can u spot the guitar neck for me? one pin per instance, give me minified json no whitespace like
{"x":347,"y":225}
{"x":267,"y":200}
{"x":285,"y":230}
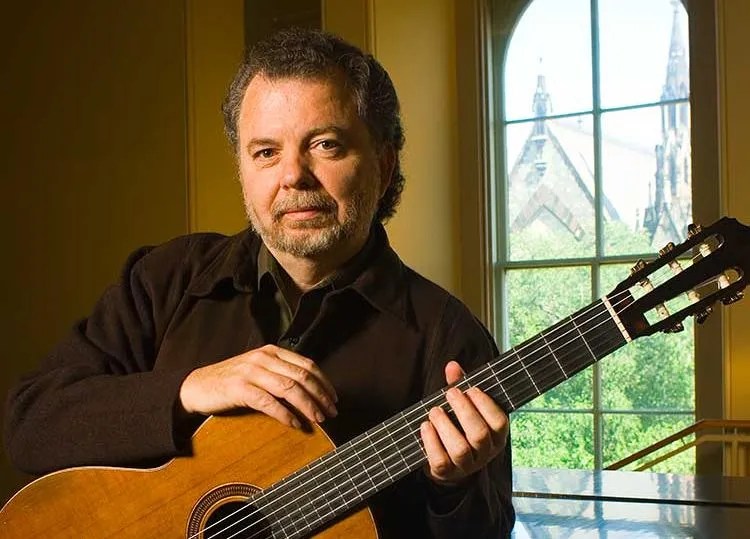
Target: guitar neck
{"x":330,"y":486}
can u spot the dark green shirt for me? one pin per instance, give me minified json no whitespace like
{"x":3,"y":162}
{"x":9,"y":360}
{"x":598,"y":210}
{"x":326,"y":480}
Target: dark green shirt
{"x":287,"y":322}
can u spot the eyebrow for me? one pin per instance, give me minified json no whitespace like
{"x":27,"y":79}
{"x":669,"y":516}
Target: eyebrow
{"x":331,"y":128}
{"x":338,"y":130}
{"x":254,"y":142}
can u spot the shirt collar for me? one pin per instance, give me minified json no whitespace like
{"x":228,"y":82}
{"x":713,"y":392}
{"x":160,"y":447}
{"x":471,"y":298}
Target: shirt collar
{"x":376,"y":273}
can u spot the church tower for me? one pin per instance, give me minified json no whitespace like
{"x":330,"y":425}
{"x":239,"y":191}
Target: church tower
{"x":670,"y":209}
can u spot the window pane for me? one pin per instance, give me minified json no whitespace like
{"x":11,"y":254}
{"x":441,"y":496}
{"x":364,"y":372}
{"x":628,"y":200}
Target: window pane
{"x":655,"y":372}
{"x":573,"y":394}
{"x":553,"y":440}
{"x":624,"y":434}
{"x":634,"y":71}
{"x":539,"y":298}
{"x":553,"y":41}
{"x":646,"y":178}
{"x":551,"y":189}
{"x":651,"y":373}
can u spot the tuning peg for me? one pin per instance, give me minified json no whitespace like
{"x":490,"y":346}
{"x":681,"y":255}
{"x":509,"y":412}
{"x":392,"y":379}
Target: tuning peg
{"x":667,"y":248}
{"x":638,"y":266}
{"x":676,"y":328}
{"x":693,"y":229}
{"x":701,"y":316}
{"x":733,"y":297}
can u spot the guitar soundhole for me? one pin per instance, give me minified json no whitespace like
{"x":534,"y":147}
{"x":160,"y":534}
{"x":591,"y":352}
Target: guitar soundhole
{"x":224,"y":512}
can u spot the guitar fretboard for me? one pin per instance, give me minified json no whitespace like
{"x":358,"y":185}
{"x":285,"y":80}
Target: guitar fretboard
{"x":344,"y":478}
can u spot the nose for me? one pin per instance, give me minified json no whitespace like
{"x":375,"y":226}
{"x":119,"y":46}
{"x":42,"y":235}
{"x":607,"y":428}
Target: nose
{"x":296,"y":172}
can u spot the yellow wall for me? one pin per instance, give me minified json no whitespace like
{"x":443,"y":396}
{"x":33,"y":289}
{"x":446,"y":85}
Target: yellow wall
{"x":421,"y":61}
{"x":93,"y":160}
{"x":214,"y":50}
{"x":734,"y":42}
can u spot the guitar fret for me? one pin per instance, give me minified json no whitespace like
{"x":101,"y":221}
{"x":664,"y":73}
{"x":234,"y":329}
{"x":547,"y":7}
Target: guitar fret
{"x":402,"y":419}
{"x":554,"y":356}
{"x":282,"y":529}
{"x":380,"y":459}
{"x":349,"y":477}
{"x":602,"y":331}
{"x":302,"y":512}
{"x":332,"y":481}
{"x":305,"y":505}
{"x":520,"y":360}
{"x":364,"y":469}
{"x":583,"y":338}
{"x":502,"y":388}
{"x":289,"y":517}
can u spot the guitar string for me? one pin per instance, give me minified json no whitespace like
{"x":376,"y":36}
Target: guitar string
{"x":467,"y":381}
{"x":421,"y":415}
{"x":359,"y":490}
{"x":380,"y":470}
{"x":532,"y":394}
{"x":506,"y":378}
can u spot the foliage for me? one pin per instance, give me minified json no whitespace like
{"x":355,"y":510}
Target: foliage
{"x":646,"y":377}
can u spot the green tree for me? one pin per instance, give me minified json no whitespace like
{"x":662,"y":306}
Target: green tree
{"x":647,"y":376}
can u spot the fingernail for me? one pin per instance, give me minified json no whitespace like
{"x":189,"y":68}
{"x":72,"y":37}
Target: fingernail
{"x":296,"y":424}
{"x":320,"y":417}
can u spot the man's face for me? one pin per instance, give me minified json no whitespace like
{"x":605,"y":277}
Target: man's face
{"x":311,"y":175}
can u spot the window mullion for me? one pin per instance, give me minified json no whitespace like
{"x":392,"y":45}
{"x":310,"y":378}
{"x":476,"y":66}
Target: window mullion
{"x":599,"y":222}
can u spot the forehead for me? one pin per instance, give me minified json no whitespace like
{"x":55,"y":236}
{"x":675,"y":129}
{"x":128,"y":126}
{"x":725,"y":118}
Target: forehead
{"x":283,"y":99}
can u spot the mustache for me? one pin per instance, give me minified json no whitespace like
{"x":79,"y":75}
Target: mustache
{"x":304,"y":200}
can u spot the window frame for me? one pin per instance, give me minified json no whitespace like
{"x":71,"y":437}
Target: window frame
{"x":483,"y":32}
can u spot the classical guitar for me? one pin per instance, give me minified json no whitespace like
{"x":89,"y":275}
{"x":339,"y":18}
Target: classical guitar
{"x":250,"y":477}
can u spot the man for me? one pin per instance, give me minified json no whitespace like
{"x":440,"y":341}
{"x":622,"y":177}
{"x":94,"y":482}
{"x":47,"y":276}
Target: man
{"x":308,"y":315}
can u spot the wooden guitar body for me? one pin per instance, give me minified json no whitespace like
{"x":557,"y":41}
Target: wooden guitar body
{"x":232,"y":457}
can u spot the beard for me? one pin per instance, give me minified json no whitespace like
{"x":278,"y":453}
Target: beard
{"x":320,"y":234}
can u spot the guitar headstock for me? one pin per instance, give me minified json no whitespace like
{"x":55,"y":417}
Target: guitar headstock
{"x":687,"y":279}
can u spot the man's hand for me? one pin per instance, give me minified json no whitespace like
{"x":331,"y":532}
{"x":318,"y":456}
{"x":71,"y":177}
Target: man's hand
{"x":261,"y":379}
{"x":454,"y":453}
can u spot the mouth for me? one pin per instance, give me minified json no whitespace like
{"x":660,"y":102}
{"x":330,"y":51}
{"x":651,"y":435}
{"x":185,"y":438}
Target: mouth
{"x":303,"y":213}
{"x":304,"y":210}
{"x":305,"y":217}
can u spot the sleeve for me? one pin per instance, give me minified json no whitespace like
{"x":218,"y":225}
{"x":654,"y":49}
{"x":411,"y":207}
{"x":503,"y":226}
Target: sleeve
{"x":483,"y":508}
{"x":95,"y":400}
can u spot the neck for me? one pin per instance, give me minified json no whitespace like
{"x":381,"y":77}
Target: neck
{"x":308,"y":272}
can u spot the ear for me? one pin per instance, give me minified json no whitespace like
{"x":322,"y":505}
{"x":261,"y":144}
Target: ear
{"x":387,"y":161}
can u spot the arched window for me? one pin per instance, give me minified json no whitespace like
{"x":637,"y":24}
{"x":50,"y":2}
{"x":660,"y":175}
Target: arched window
{"x":593,"y":173}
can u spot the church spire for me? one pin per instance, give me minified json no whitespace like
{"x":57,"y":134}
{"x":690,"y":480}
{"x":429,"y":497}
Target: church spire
{"x":670,"y":205}
{"x":542,"y":104}
{"x":677,"y":80}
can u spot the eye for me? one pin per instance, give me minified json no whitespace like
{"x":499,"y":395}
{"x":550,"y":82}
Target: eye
{"x":331,"y":147}
{"x":329,"y":144}
{"x":264,"y":153}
